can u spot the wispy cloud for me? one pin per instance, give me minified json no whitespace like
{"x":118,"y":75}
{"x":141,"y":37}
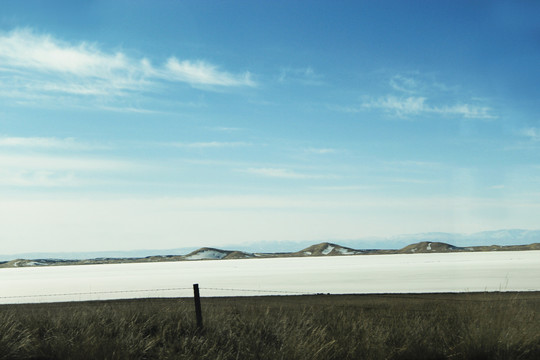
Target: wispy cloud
{"x":130,"y":110}
{"x":23,"y":49}
{"x":416,"y":105}
{"x":346,"y":188}
{"x":48,"y":143}
{"x":226,"y":129}
{"x":413,"y":95}
{"x":306,"y":76}
{"x":208,"y":145}
{"x":54,"y":163}
{"x":202,"y":73}
{"x":37,"y":179}
{"x":532,"y":133}
{"x":55,"y":170}
{"x":404,"y":84}
{"x":41,"y":63}
{"x":415,"y":164}
{"x":400,"y":106}
{"x":321,"y":151}
{"x":282,"y":173}
{"x":410,"y":181}
{"x":466,"y":110}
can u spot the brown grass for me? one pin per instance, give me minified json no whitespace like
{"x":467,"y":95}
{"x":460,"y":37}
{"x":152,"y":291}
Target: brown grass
{"x":427,"y":326}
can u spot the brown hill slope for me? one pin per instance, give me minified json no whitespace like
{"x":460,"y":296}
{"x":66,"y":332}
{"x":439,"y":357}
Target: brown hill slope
{"x":322,"y":249}
{"x":428,"y":247}
{"x":326,"y":248}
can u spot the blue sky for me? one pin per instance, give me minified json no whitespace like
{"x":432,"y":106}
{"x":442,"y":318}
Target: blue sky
{"x":143,"y":124}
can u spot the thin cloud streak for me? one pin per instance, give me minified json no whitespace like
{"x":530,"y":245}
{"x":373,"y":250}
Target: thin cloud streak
{"x":202,"y":73}
{"x":532,"y":133}
{"x":346,"y":188}
{"x":405,"y":106}
{"x":306,"y":76}
{"x":42,"y":63}
{"x":404,"y":84}
{"x":225,"y":129}
{"x":23,"y":49}
{"x":415,"y":164}
{"x":59,"y":171}
{"x":208,"y":145}
{"x":321,"y":151}
{"x":48,"y":143}
{"x":410,"y":96}
{"x":52,"y":163}
{"x":37,"y":179}
{"x":282,"y":173}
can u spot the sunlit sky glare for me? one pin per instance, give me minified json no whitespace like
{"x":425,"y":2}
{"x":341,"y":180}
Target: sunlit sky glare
{"x":164,"y":124}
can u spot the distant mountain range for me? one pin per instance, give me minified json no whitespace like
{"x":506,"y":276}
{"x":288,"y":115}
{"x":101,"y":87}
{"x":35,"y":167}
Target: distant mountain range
{"x":486,"y":238}
{"x":322,"y":249}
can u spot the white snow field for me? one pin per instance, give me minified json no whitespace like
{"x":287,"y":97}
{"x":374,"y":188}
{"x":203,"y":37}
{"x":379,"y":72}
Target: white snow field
{"x":411,"y":273}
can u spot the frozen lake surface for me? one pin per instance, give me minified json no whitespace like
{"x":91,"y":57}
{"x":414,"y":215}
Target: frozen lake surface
{"x":411,"y":273}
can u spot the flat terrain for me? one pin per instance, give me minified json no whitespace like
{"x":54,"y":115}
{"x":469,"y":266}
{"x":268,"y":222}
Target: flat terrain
{"x":396,"y":273}
{"x":406,"y":326}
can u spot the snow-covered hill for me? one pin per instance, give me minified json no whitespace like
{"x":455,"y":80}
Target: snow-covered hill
{"x":326,"y":248}
{"x":216,"y":254}
{"x":416,"y":243}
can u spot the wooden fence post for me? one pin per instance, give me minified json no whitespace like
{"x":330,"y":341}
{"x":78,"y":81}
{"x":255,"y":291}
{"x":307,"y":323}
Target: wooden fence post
{"x":198,"y":311}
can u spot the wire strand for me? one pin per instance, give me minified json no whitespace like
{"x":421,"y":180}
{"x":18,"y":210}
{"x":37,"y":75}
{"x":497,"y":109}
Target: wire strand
{"x":260,"y":291}
{"x":93,"y":293}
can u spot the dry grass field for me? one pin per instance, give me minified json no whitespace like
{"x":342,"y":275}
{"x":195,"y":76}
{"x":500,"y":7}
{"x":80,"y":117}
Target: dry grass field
{"x":427,"y":326}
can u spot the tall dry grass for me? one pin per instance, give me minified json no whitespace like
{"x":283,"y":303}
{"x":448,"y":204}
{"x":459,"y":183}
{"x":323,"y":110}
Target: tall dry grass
{"x":436,"y":326}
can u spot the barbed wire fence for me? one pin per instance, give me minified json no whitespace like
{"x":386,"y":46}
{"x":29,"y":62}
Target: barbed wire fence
{"x":234,"y":291}
{"x":110,"y":292}
{"x":68,"y":296}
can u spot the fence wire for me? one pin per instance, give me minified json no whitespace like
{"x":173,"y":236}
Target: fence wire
{"x":419,"y":296}
{"x":261,"y":291}
{"x":94,"y":293}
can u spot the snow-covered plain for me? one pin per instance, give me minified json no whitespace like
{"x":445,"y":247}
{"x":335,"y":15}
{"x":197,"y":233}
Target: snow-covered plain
{"x":412,"y":273}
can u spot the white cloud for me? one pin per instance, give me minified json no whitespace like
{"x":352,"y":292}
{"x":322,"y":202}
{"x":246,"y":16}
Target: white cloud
{"x":321,"y":151}
{"x":404,"y":84}
{"x":345,"y":109}
{"x":33,"y":163}
{"x":225,"y":129}
{"x":23,"y":49}
{"x":465,"y":110}
{"x":346,"y":188}
{"x":306,"y":76}
{"x":18,"y":170}
{"x":48,"y":143}
{"x":410,"y":96}
{"x":281,"y":173}
{"x":42,"y":178}
{"x":40,"y":63}
{"x":415,"y":164}
{"x":410,"y":181}
{"x":132,"y":110}
{"x":401,"y":106}
{"x":201,"y":73}
{"x":209,"y":144}
{"x":532,"y":133}
{"x":415,"y":105}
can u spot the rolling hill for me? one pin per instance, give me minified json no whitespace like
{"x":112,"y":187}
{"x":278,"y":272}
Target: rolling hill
{"x":322,"y":249}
